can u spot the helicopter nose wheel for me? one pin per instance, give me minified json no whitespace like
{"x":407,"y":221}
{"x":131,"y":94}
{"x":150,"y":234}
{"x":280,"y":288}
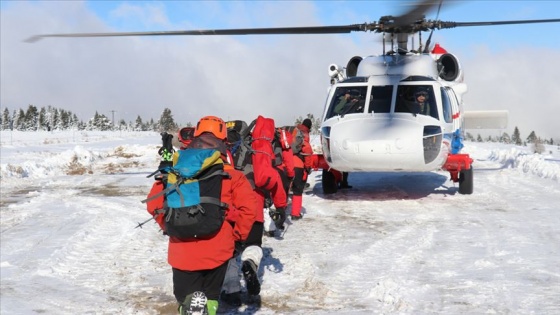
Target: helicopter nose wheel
{"x":466,"y":181}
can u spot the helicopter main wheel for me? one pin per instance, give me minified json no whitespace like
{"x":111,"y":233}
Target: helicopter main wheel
{"x":466,"y":181}
{"x":328,"y":180}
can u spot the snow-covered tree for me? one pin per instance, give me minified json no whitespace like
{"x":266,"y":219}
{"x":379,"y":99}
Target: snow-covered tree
{"x":6,"y":119}
{"x":516,"y":137}
{"x":166,"y":122}
{"x":532,"y":138}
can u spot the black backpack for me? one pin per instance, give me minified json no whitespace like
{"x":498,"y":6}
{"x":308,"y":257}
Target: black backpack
{"x":239,"y":144}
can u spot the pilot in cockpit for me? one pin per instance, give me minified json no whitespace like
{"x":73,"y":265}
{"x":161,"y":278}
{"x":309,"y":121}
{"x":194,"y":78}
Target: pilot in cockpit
{"x":346,"y":102}
{"x":421,"y":101}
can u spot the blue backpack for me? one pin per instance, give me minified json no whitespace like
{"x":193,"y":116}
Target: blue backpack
{"x":193,"y":208}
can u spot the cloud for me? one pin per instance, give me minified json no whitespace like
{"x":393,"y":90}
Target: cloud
{"x":237,"y":77}
{"x":519,"y":80}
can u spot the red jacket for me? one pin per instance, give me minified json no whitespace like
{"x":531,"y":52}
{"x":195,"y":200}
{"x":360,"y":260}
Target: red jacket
{"x":287,"y":154}
{"x":211,"y":253}
{"x":306,"y":150}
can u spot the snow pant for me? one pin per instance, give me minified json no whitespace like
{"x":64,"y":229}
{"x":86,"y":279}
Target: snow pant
{"x":208,"y":281}
{"x":285,"y":181}
{"x":300,"y":179}
{"x":250,"y":250}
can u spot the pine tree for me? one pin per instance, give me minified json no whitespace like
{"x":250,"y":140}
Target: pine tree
{"x":6,"y":119}
{"x":479,"y":138}
{"x":42,"y":119}
{"x":166,"y":122}
{"x":19,"y":120}
{"x":532,"y":138}
{"x":55,"y":118}
{"x":139,"y":125}
{"x":31,"y":118}
{"x":505,"y":138}
{"x":516,"y":137}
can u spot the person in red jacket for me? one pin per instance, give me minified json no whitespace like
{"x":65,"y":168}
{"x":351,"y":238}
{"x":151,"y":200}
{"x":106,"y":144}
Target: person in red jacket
{"x":186,"y":135}
{"x":303,"y":162}
{"x":200,"y":265}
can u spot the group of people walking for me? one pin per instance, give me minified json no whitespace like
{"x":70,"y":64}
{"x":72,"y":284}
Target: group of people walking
{"x":206,"y":270}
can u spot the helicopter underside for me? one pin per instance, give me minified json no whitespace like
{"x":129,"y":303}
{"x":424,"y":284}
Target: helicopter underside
{"x":389,"y":143}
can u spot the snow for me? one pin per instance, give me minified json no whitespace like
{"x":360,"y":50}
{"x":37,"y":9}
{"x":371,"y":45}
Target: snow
{"x":397,"y":243}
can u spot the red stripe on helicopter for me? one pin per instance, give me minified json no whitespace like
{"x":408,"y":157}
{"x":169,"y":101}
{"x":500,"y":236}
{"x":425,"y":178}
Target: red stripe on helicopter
{"x":455,"y":116}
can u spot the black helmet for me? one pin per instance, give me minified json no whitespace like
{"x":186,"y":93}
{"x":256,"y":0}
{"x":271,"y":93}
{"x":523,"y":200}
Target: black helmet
{"x":422,"y":91}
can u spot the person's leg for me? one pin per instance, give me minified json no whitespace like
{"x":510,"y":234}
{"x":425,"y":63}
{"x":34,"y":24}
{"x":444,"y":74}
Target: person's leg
{"x":297,"y":188}
{"x":185,"y":283}
{"x":344,"y":183}
{"x":231,"y":279}
{"x":251,"y":258}
{"x":213,"y":280}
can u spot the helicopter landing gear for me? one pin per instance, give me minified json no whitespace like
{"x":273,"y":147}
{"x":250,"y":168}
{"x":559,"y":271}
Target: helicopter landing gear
{"x":459,"y":167}
{"x":466,"y":181}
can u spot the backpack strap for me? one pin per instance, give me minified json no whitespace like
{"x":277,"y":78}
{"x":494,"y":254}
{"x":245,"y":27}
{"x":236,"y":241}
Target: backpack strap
{"x":180,"y":180}
{"x":164,"y":191}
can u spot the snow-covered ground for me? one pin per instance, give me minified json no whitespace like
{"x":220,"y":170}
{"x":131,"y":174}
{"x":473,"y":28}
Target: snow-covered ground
{"x":397,"y":243}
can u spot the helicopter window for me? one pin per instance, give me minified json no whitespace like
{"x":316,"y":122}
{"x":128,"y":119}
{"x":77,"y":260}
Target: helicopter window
{"x":416,"y":99}
{"x":380,"y":100}
{"x":347,"y":100}
{"x":446,"y":104}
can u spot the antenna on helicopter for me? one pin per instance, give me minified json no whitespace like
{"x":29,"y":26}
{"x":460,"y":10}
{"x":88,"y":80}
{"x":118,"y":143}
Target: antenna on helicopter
{"x":427,"y":48}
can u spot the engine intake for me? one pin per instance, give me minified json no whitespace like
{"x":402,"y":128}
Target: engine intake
{"x":448,"y":67}
{"x":352,"y":66}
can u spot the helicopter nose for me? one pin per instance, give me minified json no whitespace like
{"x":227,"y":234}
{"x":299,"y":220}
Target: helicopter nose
{"x":384,"y":145}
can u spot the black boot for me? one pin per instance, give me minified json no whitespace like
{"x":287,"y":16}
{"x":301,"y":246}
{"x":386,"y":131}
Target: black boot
{"x":251,"y":277}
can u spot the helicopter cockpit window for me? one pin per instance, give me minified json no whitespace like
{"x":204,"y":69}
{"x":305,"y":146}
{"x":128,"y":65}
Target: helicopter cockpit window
{"x":347,"y":100}
{"x":416,"y":99}
{"x":446,"y":106}
{"x":380,"y":100}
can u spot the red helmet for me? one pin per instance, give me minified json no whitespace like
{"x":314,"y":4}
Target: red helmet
{"x":213,"y":125}
{"x":186,"y":134}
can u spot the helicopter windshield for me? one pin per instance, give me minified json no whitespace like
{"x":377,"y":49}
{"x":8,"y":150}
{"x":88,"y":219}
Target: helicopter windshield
{"x":380,"y":99}
{"x":347,"y":100}
{"x":416,"y":99}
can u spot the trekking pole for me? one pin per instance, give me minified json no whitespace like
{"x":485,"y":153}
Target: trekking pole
{"x":140,"y":224}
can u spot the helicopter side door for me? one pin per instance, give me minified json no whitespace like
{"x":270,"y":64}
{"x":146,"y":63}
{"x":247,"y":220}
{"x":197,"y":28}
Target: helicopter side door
{"x":449,"y":96}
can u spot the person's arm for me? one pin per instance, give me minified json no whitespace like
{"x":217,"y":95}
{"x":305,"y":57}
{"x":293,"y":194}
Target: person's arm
{"x":245,"y":203}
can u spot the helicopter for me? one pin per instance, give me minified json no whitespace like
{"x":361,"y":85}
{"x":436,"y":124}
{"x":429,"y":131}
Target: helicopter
{"x":381,"y":126}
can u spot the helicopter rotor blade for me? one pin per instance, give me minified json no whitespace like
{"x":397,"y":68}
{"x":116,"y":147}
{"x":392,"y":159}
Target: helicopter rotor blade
{"x":336,"y":29}
{"x":417,"y":12}
{"x":444,"y":25}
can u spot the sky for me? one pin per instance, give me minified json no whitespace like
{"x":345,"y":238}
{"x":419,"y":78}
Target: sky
{"x":396,"y":243}
{"x":510,"y":67}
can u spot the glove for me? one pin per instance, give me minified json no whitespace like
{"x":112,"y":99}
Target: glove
{"x":267,"y":202}
{"x":278,"y":216}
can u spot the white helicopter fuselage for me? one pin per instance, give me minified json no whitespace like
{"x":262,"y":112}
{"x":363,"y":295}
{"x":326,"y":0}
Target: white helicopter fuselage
{"x":382,"y":132}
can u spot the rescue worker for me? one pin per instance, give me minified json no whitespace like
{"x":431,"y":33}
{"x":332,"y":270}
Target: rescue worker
{"x":303,"y":162}
{"x":249,"y":252}
{"x":200,"y":265}
{"x":421,"y":102}
{"x":186,"y":135}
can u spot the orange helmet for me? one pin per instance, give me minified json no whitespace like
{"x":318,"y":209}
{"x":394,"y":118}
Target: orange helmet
{"x":212,"y":124}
